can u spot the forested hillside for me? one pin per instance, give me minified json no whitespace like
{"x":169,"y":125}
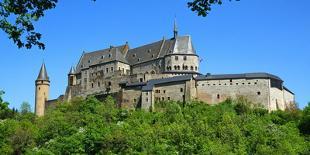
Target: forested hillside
{"x":88,"y":126}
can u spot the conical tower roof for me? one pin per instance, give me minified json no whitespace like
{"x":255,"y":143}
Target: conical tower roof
{"x":72,"y":71}
{"x":43,"y":73}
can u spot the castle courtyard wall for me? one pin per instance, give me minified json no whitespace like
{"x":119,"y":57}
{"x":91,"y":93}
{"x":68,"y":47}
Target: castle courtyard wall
{"x":215,"y":91}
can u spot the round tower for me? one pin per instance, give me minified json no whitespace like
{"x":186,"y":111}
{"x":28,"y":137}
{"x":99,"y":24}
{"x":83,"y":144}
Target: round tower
{"x":42,"y":91}
{"x":71,"y":77}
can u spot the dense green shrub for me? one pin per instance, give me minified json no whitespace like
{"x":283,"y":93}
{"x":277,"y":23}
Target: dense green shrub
{"x":88,"y":126}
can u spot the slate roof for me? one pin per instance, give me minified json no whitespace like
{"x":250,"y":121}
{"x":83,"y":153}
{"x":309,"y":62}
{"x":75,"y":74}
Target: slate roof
{"x":103,"y":56}
{"x":285,"y":88}
{"x":72,"y":70}
{"x":238,"y":76}
{"x":149,"y":52}
{"x":145,"y":53}
{"x":43,"y":73}
{"x":150,"y":84}
{"x":152,"y":51}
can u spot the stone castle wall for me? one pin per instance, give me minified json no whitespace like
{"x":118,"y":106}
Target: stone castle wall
{"x":215,"y":91}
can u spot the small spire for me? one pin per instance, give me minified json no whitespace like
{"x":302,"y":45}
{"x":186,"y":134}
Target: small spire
{"x":43,"y":73}
{"x":175,"y":28}
{"x":72,"y":71}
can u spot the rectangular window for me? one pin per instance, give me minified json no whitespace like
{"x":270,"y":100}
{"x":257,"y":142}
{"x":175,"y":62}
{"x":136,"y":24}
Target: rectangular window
{"x":176,"y":58}
{"x":184,"y":58}
{"x":168,"y":98}
{"x":112,"y":69}
{"x":107,"y":70}
{"x":181,"y":89}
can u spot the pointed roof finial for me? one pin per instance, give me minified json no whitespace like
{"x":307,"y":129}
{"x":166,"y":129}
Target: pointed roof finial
{"x":43,"y":73}
{"x":175,"y":28}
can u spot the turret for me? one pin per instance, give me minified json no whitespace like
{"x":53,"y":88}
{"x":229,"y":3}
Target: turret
{"x":71,"y":77}
{"x":42,"y":91}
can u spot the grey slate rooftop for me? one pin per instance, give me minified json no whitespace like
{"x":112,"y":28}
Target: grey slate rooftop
{"x":43,"y":73}
{"x":145,"y":53}
{"x":238,"y":76}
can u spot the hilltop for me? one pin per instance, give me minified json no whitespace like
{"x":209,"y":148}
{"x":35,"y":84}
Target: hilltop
{"x":89,"y":126}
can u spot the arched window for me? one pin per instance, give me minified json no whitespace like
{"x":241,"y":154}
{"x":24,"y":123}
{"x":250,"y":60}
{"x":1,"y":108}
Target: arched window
{"x":152,"y":72}
{"x":192,"y":68}
{"x":218,"y":96}
{"x":178,"y":67}
{"x":196,"y":68}
{"x":175,"y":67}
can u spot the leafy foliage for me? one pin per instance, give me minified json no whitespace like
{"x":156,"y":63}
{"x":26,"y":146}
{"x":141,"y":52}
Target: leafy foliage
{"x":203,"y":7}
{"x":17,"y":19}
{"x":88,"y":126}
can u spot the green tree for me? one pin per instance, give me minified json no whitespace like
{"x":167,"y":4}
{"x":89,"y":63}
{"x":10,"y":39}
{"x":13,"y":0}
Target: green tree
{"x":5,"y":111}
{"x":304,"y":125}
{"x":203,"y":7}
{"x":25,"y":108}
{"x":17,"y":18}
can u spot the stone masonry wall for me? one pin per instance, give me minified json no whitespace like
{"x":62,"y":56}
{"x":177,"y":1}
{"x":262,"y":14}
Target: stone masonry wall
{"x":215,"y":91}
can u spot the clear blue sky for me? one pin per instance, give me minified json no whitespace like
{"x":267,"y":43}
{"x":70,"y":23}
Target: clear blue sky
{"x":247,"y":36}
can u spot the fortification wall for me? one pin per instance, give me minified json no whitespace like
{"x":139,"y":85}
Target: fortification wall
{"x":215,"y":91}
{"x":276,"y":99}
{"x":289,"y":98}
{"x":131,"y":98}
{"x":170,"y":91}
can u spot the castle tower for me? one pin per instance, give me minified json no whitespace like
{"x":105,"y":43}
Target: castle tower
{"x":42,"y":91}
{"x":71,"y":77}
{"x":71,"y":82}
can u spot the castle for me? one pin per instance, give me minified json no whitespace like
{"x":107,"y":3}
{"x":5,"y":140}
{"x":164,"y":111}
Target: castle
{"x":161,"y":71}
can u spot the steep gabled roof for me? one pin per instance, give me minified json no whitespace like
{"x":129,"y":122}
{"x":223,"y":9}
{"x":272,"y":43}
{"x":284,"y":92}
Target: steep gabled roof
{"x":102,"y":56}
{"x":152,"y":51}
